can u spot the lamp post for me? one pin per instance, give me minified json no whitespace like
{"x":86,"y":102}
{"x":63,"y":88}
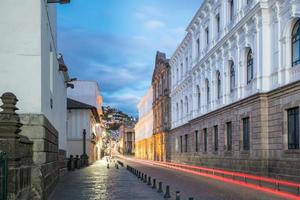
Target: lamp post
{"x":84,"y":156}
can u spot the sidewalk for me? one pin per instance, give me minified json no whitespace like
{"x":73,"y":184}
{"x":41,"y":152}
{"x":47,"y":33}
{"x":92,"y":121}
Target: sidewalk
{"x":96,"y":182}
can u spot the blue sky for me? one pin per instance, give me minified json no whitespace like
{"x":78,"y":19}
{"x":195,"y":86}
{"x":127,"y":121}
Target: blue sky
{"x":115,"y":41}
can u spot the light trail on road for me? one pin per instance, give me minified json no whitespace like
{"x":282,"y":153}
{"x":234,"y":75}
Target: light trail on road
{"x":178,"y":167}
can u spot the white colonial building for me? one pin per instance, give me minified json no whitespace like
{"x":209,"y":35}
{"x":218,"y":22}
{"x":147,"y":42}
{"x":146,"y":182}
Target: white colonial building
{"x":235,"y":50}
{"x":144,"y":127}
{"x":32,"y":68}
{"x":84,"y":110}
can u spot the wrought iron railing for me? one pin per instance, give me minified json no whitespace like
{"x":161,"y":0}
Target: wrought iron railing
{"x":3,"y":175}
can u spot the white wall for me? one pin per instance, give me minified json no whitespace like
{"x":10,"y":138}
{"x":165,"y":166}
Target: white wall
{"x":86,"y":92}
{"x":144,"y":127}
{"x":79,"y":119}
{"x":27,"y":67}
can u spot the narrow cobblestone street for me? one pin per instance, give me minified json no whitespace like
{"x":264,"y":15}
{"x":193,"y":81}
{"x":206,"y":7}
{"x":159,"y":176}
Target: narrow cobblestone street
{"x":96,"y":182}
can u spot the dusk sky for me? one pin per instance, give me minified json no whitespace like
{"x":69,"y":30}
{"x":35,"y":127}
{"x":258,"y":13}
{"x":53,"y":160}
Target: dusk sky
{"x":115,"y":41}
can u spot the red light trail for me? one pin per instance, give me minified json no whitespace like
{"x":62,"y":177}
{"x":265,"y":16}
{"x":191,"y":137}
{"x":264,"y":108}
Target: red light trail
{"x":191,"y":170}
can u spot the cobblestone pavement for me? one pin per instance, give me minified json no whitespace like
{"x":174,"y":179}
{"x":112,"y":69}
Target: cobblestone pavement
{"x":199,"y":187}
{"x":96,"y":182}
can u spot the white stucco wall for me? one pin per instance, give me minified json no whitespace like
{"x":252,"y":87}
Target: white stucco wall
{"x":28,"y":60}
{"x":79,"y":119}
{"x":87,"y":92}
{"x":144,"y":127}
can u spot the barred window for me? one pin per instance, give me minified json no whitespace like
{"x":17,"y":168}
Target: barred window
{"x":293,"y":128}
{"x":216,"y":139}
{"x":186,"y":142}
{"x":196,"y":140}
{"x":246,"y":134}
{"x":229,"y":136}
{"x":181,"y":149}
{"x":205,"y":139}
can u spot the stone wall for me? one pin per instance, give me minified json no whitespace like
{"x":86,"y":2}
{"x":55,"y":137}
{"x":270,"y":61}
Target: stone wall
{"x":18,"y":149}
{"x":45,"y":153}
{"x":268,"y":154}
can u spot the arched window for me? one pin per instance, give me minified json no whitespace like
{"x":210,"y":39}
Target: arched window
{"x":232,"y":77}
{"x":181,"y":70}
{"x":181,"y":109}
{"x":177,"y":75}
{"x":231,"y":9}
{"x":219,"y":85}
{"x":296,"y":44}
{"x":177,"y":111}
{"x":186,"y":105}
{"x":249,"y":66}
{"x":207,"y":91}
{"x":198,"y":97}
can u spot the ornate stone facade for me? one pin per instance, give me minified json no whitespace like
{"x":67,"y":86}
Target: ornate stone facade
{"x":161,"y":106}
{"x":233,"y":73}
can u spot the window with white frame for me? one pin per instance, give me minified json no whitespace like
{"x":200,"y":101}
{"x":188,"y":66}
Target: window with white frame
{"x":186,"y":64}
{"x":218,"y":23}
{"x":249,"y":66}
{"x":232,"y":76}
{"x":207,"y":91}
{"x":219,"y":86}
{"x":198,"y":47}
{"x":296,"y":44}
{"x":231,"y":10}
{"x":198,"y":97}
{"x":207,"y":36}
{"x":186,"y":105}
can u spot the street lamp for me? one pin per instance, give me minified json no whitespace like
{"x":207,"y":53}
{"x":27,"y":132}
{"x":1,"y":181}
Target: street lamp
{"x":59,"y":1}
{"x":84,"y":156}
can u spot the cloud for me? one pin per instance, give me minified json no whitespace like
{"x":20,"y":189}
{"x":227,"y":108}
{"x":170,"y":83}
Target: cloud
{"x":115,"y":43}
{"x":112,"y":61}
{"x":154,"y":24}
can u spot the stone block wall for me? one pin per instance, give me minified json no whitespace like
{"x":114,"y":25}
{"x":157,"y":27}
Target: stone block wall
{"x":45,"y":172}
{"x":18,"y":149}
{"x":268,"y":154}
